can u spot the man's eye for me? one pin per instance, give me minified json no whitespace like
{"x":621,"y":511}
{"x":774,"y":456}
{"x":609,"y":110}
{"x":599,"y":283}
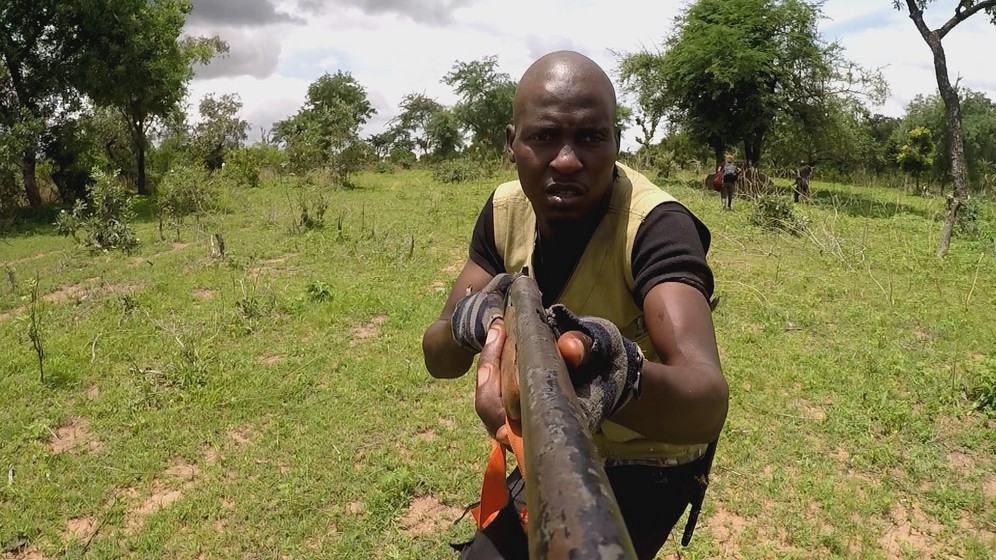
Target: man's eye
{"x":592,"y":137}
{"x":542,"y":136}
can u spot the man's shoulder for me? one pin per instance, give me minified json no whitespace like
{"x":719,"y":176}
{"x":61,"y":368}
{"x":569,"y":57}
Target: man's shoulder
{"x":644,"y":193}
{"x":510,"y":190}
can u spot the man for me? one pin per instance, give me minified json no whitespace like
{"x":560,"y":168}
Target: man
{"x":802,"y":180}
{"x":602,"y":242}
{"x":730,"y":173}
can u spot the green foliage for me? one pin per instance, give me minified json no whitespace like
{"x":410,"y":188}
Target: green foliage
{"x":141,"y":65}
{"x":485,"y":106}
{"x":242,"y":167}
{"x":916,"y":155}
{"x":762,"y":61}
{"x":983,"y":391}
{"x":461,"y":170}
{"x":325,"y":132}
{"x":103,"y":221}
{"x":220,"y":130}
{"x":777,"y":213}
{"x":187,"y":190}
{"x":319,"y":291}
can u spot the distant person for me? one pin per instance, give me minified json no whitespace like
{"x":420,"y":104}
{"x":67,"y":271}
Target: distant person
{"x":802,"y":180}
{"x":730,"y":173}
{"x":622,"y":266}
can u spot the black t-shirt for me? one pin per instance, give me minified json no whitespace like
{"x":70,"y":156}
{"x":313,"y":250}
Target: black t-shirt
{"x":670,"y":246}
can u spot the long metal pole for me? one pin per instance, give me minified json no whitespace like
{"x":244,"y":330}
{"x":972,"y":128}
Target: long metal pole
{"x":572,"y":511}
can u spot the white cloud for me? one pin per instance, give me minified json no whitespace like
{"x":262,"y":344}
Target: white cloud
{"x":392,"y":54}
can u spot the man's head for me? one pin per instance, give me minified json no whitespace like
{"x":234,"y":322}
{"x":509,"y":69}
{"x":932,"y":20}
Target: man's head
{"x":563,"y":138}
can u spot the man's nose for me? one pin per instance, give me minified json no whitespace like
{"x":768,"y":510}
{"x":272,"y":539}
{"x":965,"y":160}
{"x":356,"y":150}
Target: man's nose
{"x":567,"y":160}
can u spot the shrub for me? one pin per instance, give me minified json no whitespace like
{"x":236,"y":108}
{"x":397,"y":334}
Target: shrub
{"x":777,"y":213}
{"x":186,"y":190}
{"x":461,"y":170}
{"x":242,"y":167}
{"x":104,"y":219}
{"x":983,"y":391}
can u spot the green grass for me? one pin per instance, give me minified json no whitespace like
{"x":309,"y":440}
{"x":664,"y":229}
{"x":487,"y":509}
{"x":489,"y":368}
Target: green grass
{"x":273,"y":403}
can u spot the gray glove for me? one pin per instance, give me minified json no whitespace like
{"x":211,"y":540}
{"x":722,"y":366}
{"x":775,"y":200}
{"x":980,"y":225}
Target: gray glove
{"x":475,"y":312}
{"x":611,"y":376}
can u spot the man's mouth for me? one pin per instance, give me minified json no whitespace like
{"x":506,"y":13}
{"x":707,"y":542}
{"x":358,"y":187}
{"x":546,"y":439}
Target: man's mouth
{"x":560,"y":192}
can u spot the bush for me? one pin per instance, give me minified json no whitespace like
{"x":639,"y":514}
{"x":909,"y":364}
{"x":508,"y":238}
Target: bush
{"x":188,"y":189}
{"x":777,"y":213}
{"x":104,"y":220}
{"x":461,"y":170}
{"x":242,"y":167}
{"x":983,"y":391}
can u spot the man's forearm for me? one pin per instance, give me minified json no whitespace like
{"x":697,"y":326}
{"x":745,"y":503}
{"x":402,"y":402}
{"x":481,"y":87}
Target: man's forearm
{"x":679,"y":404}
{"x":444,"y":357}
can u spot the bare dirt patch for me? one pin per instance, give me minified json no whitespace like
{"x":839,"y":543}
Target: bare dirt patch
{"x":961,"y":462}
{"x":64,"y":293}
{"x":72,"y":436}
{"x":989,"y":487}
{"x":810,"y":410}
{"x":448,"y":423}
{"x":270,"y":360}
{"x":79,"y":528}
{"x":367,"y":330}
{"x":29,"y":554}
{"x":355,"y":508}
{"x":426,"y":436}
{"x":910,"y":529}
{"x":726,"y":527}
{"x":426,"y":516}
{"x":242,"y":436}
{"x":454,"y":267}
{"x":159,"y":499}
{"x":93,"y":393}
{"x":203,"y":294}
{"x":179,"y":246}
{"x":184,"y":471}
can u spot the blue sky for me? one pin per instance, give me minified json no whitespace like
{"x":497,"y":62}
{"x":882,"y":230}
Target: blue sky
{"x":395,"y":47}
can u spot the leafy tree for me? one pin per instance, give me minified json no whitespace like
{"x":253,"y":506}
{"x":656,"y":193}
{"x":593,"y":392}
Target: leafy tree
{"x":141,"y":66}
{"x":964,"y":9}
{"x":325,"y":131}
{"x":735,"y":68}
{"x":39,"y":50}
{"x":916,"y":155}
{"x":978,"y":120}
{"x":444,"y":128}
{"x":220,"y":129}
{"x":485,"y":106}
{"x":417,"y":112}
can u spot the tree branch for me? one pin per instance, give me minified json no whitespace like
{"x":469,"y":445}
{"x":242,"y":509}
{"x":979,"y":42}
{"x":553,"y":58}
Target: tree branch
{"x":961,"y":15}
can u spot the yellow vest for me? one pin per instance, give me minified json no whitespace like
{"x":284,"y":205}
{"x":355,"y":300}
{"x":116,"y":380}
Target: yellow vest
{"x":601,"y":285}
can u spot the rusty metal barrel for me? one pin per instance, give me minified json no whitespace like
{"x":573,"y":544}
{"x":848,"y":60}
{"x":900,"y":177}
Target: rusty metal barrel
{"x":572,"y":511}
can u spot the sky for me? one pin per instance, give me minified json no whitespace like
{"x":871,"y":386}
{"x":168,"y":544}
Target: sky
{"x":396,"y":47}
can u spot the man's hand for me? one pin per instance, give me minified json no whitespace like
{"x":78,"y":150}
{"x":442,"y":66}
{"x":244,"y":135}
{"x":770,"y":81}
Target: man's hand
{"x":488,"y":396}
{"x":475,"y":312}
{"x":605,"y":367}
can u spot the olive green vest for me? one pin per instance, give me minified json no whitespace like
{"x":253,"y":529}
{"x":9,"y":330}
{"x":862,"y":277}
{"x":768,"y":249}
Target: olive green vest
{"x":601,"y":285}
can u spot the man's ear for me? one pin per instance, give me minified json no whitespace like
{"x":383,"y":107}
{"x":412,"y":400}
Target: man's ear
{"x":618,"y":140}
{"x":509,"y":139}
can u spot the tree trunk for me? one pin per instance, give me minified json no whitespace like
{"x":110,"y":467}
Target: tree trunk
{"x":952,"y":106}
{"x":28,"y":164}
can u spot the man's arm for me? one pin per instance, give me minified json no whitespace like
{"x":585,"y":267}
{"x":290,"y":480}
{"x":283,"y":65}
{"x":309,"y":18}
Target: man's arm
{"x":444,"y":357}
{"x":685,"y":399}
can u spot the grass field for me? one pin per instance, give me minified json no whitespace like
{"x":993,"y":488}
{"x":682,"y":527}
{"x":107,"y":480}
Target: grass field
{"x":272,"y":403}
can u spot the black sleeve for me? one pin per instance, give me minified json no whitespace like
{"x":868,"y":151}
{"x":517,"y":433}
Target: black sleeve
{"x":671,"y":246}
{"x":483,"y":250}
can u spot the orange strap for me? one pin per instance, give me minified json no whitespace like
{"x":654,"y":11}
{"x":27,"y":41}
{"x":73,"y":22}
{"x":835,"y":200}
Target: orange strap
{"x":494,"y":492}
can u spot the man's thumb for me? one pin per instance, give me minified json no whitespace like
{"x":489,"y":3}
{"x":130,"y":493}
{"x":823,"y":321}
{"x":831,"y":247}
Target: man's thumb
{"x":575,"y":348}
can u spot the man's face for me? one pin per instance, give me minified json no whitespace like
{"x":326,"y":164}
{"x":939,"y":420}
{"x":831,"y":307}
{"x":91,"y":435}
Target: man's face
{"x":565,"y":148}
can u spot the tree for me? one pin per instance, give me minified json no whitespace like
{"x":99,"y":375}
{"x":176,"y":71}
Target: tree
{"x":142,"y":65}
{"x":417,"y":112}
{"x":39,"y":49}
{"x":956,"y":150}
{"x":640,"y":76}
{"x":978,"y":124}
{"x":219,"y":130}
{"x":325,"y":131}
{"x":485,"y":106}
{"x":916,"y":155}
{"x":735,"y":68}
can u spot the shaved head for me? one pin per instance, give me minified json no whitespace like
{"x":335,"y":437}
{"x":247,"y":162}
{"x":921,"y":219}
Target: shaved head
{"x":562,"y":73}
